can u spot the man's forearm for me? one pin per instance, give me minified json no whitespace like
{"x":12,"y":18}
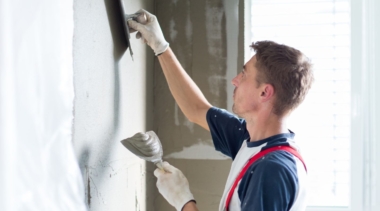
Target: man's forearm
{"x":186,"y":93}
{"x":190,"y":206}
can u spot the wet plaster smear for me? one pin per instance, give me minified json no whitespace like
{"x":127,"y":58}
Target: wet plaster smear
{"x":204,"y":36}
{"x":116,"y":97}
{"x":113,"y":100}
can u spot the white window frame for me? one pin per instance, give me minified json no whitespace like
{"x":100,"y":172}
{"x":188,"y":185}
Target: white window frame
{"x":364,"y":179}
{"x":365,"y":50}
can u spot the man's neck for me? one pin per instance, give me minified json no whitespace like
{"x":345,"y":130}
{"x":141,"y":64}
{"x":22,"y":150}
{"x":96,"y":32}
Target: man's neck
{"x":260,"y":128}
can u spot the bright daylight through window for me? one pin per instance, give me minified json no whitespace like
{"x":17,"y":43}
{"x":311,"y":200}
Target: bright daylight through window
{"x":320,"y":29}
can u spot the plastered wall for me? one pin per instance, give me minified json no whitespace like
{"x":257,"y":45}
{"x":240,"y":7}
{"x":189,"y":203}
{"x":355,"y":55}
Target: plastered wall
{"x":113,"y":100}
{"x":205,"y":37}
{"x":116,"y":97}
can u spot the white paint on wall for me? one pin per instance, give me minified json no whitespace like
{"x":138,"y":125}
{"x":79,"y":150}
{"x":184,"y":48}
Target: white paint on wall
{"x":189,"y":125}
{"x":214,"y":29}
{"x":173,"y":32}
{"x":189,"y":25}
{"x":215,"y":82}
{"x":199,"y":151}
{"x":232,"y":29}
{"x":185,"y":122}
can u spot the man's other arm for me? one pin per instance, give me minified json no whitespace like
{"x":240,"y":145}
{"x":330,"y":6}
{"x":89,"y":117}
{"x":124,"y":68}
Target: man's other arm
{"x":185,"y":92}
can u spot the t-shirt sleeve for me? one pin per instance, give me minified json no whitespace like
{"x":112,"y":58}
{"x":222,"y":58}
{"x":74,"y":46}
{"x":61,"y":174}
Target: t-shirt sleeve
{"x":270,"y":185}
{"x":227,"y":131}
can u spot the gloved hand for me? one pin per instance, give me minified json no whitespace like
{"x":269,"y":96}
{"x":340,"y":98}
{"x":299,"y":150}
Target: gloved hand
{"x":150,"y":31}
{"x":173,"y":185}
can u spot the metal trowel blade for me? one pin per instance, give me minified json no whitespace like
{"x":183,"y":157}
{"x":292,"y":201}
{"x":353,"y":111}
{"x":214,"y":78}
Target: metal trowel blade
{"x":126,"y":17}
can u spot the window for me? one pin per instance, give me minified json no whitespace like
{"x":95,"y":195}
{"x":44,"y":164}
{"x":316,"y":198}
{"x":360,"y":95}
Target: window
{"x":320,"y":29}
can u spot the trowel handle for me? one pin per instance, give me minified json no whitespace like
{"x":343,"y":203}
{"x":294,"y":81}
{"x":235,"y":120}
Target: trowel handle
{"x":159,"y":165}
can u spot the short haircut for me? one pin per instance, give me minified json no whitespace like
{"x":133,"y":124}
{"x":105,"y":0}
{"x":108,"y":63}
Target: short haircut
{"x":287,"y":69}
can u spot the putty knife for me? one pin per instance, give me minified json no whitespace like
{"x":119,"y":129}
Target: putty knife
{"x":125,"y":18}
{"x":147,"y":146}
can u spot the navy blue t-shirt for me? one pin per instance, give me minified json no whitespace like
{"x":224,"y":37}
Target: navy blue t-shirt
{"x":270,"y":183}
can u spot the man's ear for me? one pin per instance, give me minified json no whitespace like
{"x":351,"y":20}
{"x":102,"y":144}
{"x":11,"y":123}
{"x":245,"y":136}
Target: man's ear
{"x":267,"y":92}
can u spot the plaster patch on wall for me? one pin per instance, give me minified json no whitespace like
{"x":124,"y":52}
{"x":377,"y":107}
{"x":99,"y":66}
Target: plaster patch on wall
{"x":176,"y":120}
{"x":232,"y":31}
{"x":214,"y":30}
{"x":189,"y":26}
{"x":186,"y":122}
{"x":215,"y":82}
{"x":189,"y":125}
{"x":199,"y":151}
{"x":173,"y":32}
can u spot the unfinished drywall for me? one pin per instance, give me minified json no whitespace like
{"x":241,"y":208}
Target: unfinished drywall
{"x":113,"y":100}
{"x":205,"y":37}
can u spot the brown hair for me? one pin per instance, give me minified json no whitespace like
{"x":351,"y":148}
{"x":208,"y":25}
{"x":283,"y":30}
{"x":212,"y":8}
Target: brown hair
{"x":287,"y":69}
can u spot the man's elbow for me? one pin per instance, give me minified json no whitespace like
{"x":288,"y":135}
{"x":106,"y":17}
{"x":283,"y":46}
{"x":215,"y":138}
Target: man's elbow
{"x":192,"y":119}
{"x":198,"y":116}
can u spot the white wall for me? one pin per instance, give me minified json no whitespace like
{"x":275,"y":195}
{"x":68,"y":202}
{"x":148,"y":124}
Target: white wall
{"x":38,"y":166}
{"x":113,"y":96}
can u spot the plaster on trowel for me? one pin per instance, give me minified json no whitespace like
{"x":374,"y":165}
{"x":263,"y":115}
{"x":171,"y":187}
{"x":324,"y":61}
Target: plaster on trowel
{"x":147,"y":146}
{"x":128,"y":30}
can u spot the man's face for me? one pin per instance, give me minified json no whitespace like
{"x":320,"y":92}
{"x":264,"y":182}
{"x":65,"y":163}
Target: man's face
{"x":247,"y":91}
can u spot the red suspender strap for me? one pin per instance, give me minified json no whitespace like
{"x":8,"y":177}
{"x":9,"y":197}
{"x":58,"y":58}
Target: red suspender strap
{"x":255,"y":158}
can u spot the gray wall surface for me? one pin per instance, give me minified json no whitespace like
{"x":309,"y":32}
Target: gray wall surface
{"x":113,"y":100}
{"x":205,"y":37}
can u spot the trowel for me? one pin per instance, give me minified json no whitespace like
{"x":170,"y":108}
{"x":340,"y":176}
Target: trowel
{"x":127,"y":30}
{"x":146,"y":146}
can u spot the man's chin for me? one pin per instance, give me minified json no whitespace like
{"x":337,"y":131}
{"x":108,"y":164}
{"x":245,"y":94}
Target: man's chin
{"x":234,"y":110}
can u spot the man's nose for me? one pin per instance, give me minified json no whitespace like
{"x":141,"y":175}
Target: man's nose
{"x":235,"y":81}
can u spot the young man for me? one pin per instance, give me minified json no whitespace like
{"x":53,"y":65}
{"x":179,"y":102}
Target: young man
{"x":272,"y":84}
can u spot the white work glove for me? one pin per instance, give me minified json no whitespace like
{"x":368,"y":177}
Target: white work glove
{"x":173,"y":186}
{"x":150,"y":31}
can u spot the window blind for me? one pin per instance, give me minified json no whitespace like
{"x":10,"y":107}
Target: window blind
{"x":321,"y":30}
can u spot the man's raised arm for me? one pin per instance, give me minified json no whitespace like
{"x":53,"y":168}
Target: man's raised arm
{"x":185,"y":92}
